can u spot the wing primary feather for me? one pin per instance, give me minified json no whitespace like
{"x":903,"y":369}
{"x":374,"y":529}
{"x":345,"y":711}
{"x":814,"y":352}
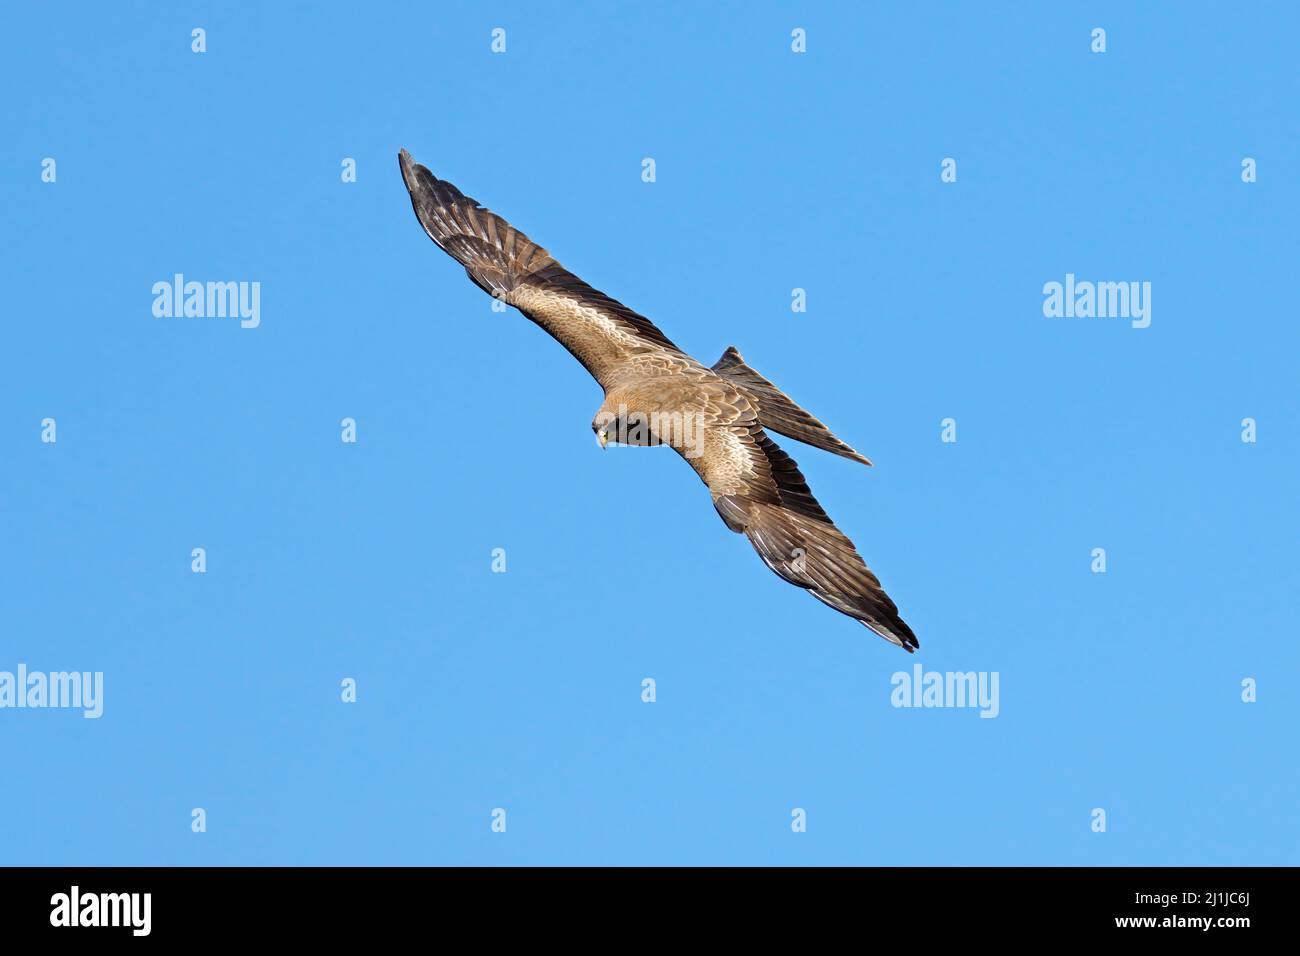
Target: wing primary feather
{"x":760,"y":492}
{"x":601,"y":332}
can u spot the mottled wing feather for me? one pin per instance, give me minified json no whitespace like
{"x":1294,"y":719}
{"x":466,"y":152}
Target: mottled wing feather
{"x":759,"y":491}
{"x":600,"y":332}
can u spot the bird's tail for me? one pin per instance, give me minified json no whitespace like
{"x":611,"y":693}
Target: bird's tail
{"x":777,"y":411}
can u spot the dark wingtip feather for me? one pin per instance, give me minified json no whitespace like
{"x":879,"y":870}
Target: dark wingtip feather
{"x":899,"y":636}
{"x":407,"y":166}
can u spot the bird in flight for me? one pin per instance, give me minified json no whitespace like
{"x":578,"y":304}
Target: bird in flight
{"x":716,"y":417}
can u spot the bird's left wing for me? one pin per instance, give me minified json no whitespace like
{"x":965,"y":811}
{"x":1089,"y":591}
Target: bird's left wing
{"x":760,"y":492}
{"x":601,"y":333}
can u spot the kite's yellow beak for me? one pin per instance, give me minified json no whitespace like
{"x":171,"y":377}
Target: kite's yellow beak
{"x":602,"y":438}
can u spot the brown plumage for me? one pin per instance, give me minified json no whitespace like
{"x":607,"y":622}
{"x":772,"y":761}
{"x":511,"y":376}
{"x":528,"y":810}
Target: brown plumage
{"x":716,"y":418}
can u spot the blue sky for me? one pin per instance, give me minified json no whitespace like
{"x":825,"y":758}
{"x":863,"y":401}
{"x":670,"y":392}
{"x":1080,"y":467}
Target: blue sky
{"x":774,"y":171}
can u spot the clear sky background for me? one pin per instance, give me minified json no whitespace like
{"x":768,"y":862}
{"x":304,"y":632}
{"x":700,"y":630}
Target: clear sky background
{"x":522,"y":690}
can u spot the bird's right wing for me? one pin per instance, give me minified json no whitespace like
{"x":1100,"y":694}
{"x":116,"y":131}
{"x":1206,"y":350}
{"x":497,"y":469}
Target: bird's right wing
{"x":600,"y":332}
{"x":760,"y":492}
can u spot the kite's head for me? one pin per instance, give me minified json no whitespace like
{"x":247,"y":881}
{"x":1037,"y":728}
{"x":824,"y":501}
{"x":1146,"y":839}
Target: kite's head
{"x":619,"y":426}
{"x":606,"y":427}
{"x":622,"y":425}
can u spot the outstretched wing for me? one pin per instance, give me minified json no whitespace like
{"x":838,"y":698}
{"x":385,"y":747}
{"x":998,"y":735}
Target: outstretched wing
{"x":760,"y":492}
{"x":600,"y":332}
